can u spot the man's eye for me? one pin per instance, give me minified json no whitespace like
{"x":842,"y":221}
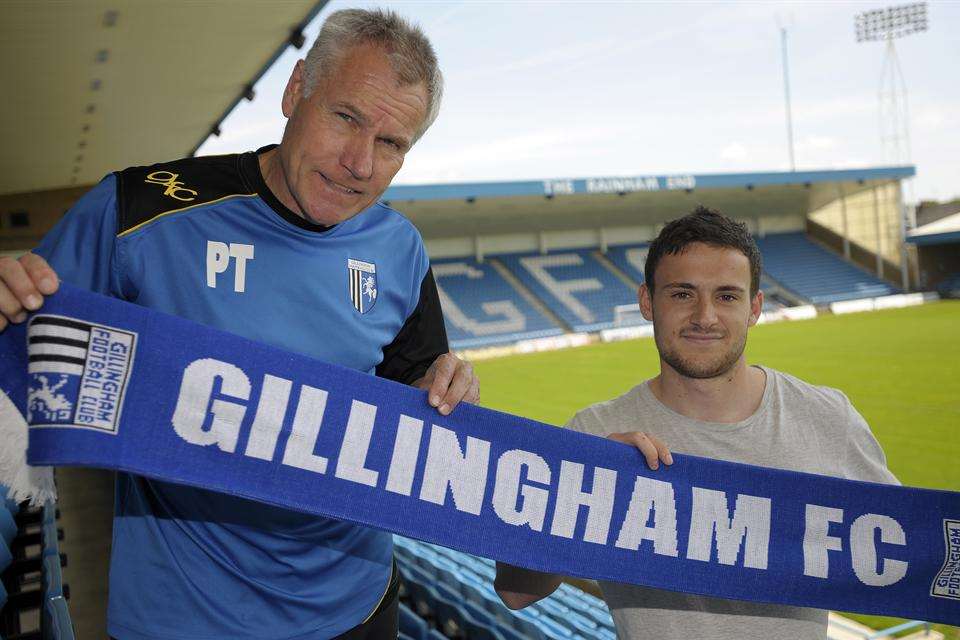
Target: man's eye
{"x":346,"y":117}
{"x":393,"y":144}
{"x":728,"y":297}
{"x":681,"y":295}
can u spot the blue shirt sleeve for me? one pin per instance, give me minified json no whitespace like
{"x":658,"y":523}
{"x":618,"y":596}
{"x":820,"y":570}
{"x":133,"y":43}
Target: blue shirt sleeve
{"x":81,"y":247}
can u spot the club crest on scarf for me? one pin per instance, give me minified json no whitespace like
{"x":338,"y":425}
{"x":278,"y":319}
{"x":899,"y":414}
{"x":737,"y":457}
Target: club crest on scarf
{"x":947,"y":582}
{"x":362,"y":277}
{"x":78,"y":373}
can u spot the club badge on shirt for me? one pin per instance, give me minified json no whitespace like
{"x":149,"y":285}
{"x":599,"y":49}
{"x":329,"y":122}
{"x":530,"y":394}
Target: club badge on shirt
{"x":362,"y":278}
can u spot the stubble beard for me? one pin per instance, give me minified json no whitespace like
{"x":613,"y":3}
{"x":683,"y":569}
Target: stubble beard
{"x":700,"y":370}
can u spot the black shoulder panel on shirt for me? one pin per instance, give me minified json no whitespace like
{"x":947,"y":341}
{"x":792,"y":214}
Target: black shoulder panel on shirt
{"x":144,"y":193}
{"x":421,"y":340}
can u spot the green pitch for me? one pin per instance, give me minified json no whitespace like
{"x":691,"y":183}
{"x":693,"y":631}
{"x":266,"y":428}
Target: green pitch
{"x":900,"y":368}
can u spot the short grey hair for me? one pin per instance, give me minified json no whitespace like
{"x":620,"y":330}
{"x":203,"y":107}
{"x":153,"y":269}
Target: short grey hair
{"x":410,"y":53}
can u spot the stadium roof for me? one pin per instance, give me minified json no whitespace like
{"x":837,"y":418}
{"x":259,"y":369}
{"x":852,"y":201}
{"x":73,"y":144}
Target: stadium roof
{"x":487,"y":208}
{"x":943,"y":231}
{"x":96,"y":85}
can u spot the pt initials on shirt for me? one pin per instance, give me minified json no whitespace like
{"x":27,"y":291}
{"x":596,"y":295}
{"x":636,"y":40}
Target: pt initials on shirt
{"x":218,"y":259}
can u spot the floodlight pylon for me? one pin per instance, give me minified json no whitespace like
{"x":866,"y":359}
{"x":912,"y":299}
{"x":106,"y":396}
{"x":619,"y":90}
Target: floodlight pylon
{"x":894,"y":116}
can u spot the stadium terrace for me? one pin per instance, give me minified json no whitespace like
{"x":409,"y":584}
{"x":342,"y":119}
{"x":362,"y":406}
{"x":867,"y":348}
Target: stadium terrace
{"x":522,"y":480}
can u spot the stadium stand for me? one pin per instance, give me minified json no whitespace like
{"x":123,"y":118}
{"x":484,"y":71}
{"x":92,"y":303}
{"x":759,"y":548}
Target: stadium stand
{"x":949,"y":287}
{"x":814,"y":273}
{"x":574,"y":285}
{"x":481,"y":308}
{"x":629,"y":259}
{"x":452,"y":591}
{"x":33,"y":597}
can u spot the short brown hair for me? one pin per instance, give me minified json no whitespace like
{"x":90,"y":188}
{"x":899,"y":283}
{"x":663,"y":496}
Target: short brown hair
{"x":708,"y":226}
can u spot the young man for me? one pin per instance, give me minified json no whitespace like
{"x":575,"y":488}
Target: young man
{"x":289,"y":246}
{"x":701,"y":291}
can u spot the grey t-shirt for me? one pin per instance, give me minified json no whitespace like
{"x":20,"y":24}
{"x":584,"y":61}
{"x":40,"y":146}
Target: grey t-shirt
{"x":799,"y":427}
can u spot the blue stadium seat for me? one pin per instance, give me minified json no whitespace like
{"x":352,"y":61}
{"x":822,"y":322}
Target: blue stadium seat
{"x":51,"y":577}
{"x":552,"y":629}
{"x":452,"y":590}
{"x":509,"y":633}
{"x":5,"y":557}
{"x":481,"y":308}
{"x":50,"y":539}
{"x":815,"y":273}
{"x":56,"y":620}
{"x":629,"y":259}
{"x":949,"y":287}
{"x":404,"y":553}
{"x":8,"y":526}
{"x":423,"y":597}
{"x":448,"y":614}
{"x":436,"y":635}
{"x":553,"y":607}
{"x":579,"y":623}
{"x":525,"y":622}
{"x":477,"y":631}
{"x":478,"y":624}
{"x":11,"y":505}
{"x":412,"y":624}
{"x":573,"y":284}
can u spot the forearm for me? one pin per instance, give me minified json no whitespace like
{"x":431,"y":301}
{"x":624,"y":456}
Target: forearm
{"x":519,"y":588}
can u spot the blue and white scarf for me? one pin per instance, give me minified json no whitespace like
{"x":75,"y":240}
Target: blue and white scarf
{"x":108,"y":384}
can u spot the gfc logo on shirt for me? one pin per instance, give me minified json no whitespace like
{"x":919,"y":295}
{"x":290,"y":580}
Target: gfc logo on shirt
{"x":363,"y":284}
{"x":174,"y":187}
{"x":78,"y":373}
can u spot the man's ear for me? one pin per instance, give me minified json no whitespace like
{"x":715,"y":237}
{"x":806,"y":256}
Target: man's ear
{"x":756,"y":307}
{"x":646,"y":302}
{"x":294,"y":90}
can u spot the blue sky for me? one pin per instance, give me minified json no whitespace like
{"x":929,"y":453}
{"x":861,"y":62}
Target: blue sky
{"x":577,"y":89}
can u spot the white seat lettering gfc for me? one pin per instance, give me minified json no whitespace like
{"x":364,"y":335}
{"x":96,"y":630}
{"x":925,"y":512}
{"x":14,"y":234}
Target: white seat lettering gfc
{"x":219,"y":255}
{"x":513,"y":320}
{"x":563,"y":290}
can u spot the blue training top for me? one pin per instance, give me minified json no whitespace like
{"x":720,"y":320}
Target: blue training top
{"x":203,"y":238}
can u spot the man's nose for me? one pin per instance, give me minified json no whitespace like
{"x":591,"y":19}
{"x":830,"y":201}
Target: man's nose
{"x":357,"y":156}
{"x":705,"y":314}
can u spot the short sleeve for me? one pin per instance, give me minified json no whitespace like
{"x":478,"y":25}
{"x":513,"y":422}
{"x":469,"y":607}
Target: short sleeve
{"x":421,"y":340}
{"x":81,"y":247}
{"x":864,"y":458}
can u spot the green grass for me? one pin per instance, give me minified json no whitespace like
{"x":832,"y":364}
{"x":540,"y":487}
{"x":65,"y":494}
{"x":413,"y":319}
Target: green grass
{"x":900,"y":368}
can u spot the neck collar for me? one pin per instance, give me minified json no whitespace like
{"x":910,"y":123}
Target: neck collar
{"x":250,"y":167}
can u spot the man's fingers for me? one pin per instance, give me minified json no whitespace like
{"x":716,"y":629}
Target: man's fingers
{"x":644,"y":444}
{"x":9,"y":304}
{"x":10,"y":307}
{"x":41,"y":274}
{"x":21,"y":289}
{"x":444,"y":368}
{"x":459,"y":387}
{"x":473,"y":395}
{"x":648,"y":449}
{"x":663,"y":452}
{"x":18,"y":292}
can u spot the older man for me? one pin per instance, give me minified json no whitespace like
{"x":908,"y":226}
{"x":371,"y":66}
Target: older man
{"x":702,"y":292}
{"x":290,"y":246}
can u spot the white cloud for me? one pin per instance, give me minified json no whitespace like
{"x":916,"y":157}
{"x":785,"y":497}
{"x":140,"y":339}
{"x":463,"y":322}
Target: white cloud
{"x":734,"y":151}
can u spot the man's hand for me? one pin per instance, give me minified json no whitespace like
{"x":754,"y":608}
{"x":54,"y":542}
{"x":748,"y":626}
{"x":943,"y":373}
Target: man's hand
{"x":651,"y":448}
{"x":23,"y":283}
{"x":449,"y":381}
